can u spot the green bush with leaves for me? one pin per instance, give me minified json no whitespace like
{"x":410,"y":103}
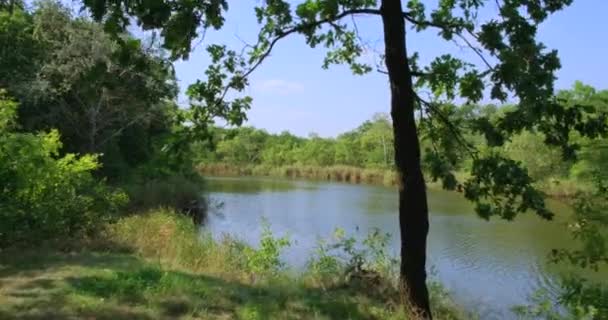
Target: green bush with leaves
{"x":346,"y":256}
{"x":266,"y":259}
{"x":44,"y":195}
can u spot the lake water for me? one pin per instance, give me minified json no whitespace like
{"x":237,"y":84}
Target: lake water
{"x":488,"y":266}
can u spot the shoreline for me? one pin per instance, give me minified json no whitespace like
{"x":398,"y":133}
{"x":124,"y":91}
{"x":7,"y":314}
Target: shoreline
{"x":561,"y":190}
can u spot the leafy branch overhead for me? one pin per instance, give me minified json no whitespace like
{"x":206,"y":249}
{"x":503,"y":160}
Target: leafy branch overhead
{"x":209,"y":98}
{"x":511,"y":61}
{"x":179,"y":21}
{"x":510,"y":65}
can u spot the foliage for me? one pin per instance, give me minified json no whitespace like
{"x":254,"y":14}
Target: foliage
{"x":72,"y":78}
{"x":541,"y":160}
{"x":348,"y":257}
{"x":542,"y":307}
{"x":255,"y":151}
{"x":265,"y":260}
{"x":589,"y":227}
{"x":20,"y":50}
{"x":179,"y":21}
{"x":580,"y":297}
{"x":369,"y":146}
{"x":506,"y":41}
{"x":366,"y":264}
{"x":44,"y":196}
{"x":178,"y":192}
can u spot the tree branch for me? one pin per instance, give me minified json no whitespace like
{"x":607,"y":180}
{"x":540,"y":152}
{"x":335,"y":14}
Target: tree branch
{"x":303,"y":26}
{"x":457,"y":134}
{"x":476,"y":50}
{"x":413,"y":73}
{"x":452,"y":28}
{"x":426,"y":23}
{"x":298,"y":28}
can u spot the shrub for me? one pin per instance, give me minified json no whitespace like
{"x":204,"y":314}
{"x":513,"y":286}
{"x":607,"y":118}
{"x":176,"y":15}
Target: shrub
{"x":45,"y":196}
{"x":266,"y":259}
{"x":184,"y":194}
{"x":347,"y":260}
{"x":173,"y":240}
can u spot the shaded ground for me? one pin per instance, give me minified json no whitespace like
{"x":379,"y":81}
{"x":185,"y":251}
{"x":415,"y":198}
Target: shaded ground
{"x":55,"y":285}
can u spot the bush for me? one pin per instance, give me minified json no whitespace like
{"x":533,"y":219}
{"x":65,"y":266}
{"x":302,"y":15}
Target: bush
{"x":351,"y":260}
{"x":266,"y":259}
{"x":179,"y":192}
{"x":44,"y":196}
{"x":163,"y":235}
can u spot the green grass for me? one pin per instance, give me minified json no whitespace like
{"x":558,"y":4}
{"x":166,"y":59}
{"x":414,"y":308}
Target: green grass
{"x":156,"y":266}
{"x":109,"y":286}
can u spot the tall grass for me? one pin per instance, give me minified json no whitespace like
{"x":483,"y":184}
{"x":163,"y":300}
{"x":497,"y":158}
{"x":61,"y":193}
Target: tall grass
{"x":175,"y":243}
{"x":185,"y":194}
{"x":560,"y":188}
{"x":340,"y":173}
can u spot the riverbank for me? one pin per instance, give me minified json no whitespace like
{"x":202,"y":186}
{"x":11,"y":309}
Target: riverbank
{"x":554,"y":188}
{"x":156,"y":266}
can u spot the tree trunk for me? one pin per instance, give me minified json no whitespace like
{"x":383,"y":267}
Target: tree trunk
{"x":413,"y":209}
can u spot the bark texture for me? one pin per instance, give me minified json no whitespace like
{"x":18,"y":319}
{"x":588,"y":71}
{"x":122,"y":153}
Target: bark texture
{"x":413,"y":208}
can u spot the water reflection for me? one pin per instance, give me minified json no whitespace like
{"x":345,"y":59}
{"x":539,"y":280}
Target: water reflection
{"x":249,"y":185}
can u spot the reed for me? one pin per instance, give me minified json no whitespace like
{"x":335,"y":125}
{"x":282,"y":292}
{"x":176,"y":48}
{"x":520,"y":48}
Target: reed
{"x":339,"y":173}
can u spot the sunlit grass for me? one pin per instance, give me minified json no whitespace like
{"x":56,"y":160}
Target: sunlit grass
{"x":157,"y":266}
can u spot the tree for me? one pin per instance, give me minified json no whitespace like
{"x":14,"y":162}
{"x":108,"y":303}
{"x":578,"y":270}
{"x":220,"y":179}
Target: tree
{"x":244,"y":146}
{"x":542,"y":161}
{"x":105,"y":95}
{"x":20,"y":51}
{"x":513,"y":62}
{"x":280,"y":149}
{"x":11,"y":5}
{"x":317,"y":151}
{"x":593,"y":154}
{"x":377,"y":141}
{"x":84,"y":80}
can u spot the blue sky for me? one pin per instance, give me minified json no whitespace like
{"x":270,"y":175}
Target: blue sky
{"x":292,"y":92}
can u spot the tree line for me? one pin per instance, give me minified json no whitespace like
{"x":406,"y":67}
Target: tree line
{"x":369,"y":146}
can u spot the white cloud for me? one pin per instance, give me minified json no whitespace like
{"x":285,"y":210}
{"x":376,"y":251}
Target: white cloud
{"x":279,"y":86}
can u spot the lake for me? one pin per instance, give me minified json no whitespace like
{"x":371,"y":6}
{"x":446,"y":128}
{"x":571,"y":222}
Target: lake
{"x":487,"y":266}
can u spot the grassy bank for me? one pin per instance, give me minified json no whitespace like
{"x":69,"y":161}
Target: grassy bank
{"x":156,"y":266}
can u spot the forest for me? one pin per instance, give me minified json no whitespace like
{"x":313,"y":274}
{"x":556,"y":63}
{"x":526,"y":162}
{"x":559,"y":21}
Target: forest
{"x":114,"y":193}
